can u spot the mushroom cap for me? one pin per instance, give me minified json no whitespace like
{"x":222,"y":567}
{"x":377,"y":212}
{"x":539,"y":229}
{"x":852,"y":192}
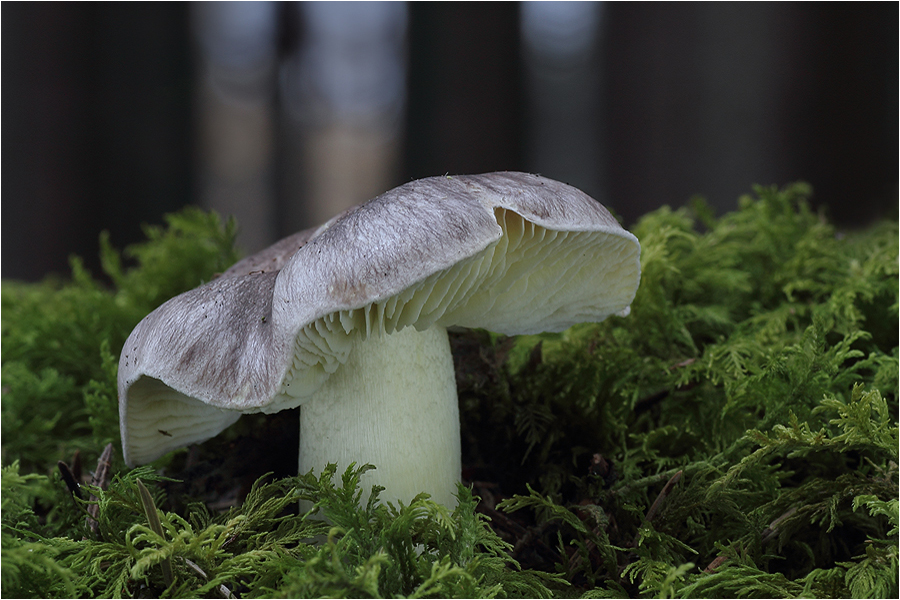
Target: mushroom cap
{"x":510,"y":252}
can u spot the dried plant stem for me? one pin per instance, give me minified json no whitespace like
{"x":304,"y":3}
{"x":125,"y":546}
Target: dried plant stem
{"x":156,"y":526}
{"x":663,"y":494}
{"x":768,"y":534}
{"x":100,"y":479}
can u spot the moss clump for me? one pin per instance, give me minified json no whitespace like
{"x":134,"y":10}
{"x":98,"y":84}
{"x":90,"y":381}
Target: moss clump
{"x":262,"y":548}
{"x":735,"y":436}
{"x":726,"y":437}
{"x":61,"y":340}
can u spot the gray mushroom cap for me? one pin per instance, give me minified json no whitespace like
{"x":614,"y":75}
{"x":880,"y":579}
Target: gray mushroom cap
{"x":510,"y":252}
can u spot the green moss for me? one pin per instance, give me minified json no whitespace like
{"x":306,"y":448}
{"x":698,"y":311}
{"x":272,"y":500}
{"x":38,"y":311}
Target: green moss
{"x":735,"y":436}
{"x":60,"y":340}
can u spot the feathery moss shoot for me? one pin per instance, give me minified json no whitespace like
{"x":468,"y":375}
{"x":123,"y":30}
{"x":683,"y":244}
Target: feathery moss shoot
{"x":735,"y":436}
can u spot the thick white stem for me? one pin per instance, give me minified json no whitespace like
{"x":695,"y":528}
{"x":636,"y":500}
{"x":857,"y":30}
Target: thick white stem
{"x":393,"y":404}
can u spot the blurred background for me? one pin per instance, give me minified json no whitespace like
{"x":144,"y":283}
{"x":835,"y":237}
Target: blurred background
{"x":284,"y":114}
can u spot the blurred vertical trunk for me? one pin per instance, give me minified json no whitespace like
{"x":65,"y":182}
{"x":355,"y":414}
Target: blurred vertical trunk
{"x":235,"y":138}
{"x":343,"y":93}
{"x":561,"y":52}
{"x":712,"y":98}
{"x":96,"y":128}
{"x":465,"y":102}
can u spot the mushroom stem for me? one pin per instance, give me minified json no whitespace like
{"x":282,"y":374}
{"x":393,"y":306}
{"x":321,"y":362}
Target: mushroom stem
{"x":409,"y":428}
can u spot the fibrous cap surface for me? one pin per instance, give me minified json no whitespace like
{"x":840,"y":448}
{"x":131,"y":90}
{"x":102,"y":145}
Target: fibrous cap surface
{"x":510,"y":252}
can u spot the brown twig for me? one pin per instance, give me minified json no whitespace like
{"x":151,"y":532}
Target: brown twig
{"x":715,"y":564}
{"x":657,"y":504}
{"x":99,"y":479}
{"x":76,"y":465}
{"x":767,"y":535}
{"x":589,"y":546}
{"x":663,"y":494}
{"x":770,"y":532}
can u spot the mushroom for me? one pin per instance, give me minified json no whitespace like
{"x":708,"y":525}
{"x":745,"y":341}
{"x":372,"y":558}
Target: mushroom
{"x":349,"y":322}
